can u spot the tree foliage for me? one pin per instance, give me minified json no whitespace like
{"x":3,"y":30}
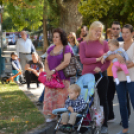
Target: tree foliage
{"x":107,"y":11}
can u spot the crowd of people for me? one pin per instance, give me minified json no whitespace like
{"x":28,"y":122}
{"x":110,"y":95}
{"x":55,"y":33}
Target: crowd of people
{"x":113,"y":57}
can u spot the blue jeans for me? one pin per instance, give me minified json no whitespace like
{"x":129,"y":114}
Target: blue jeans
{"x":122,"y":89}
{"x":41,"y":98}
{"x":15,"y":72}
{"x":2,"y":63}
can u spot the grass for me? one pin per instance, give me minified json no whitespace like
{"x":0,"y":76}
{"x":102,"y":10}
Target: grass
{"x":39,"y":48}
{"x":17,"y":113}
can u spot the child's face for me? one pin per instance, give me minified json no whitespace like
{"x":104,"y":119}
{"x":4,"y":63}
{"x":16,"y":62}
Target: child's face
{"x":112,"y":47}
{"x":14,"y":57}
{"x":73,"y":95}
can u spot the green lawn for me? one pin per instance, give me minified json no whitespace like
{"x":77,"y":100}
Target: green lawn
{"x":17,"y":113}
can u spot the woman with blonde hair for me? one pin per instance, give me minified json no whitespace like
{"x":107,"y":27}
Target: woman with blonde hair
{"x":73,"y":42}
{"x":91,"y":52}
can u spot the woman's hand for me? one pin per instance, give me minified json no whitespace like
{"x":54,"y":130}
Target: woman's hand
{"x":98,"y":59}
{"x":49,"y":75}
{"x":97,"y":70}
{"x":102,"y":61}
{"x":120,"y":58}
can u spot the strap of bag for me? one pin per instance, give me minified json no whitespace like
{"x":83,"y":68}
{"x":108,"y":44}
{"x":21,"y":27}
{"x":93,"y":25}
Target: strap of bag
{"x":63,"y":52}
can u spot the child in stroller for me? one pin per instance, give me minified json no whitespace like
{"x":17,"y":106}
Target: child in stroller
{"x":90,"y":95}
{"x":75,"y":104}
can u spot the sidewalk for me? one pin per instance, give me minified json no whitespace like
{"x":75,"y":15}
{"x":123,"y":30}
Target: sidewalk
{"x":34,"y":94}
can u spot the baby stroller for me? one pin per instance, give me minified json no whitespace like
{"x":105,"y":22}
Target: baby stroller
{"x":90,"y":95}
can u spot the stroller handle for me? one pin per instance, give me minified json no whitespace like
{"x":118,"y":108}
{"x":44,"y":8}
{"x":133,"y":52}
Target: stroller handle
{"x":99,"y":79}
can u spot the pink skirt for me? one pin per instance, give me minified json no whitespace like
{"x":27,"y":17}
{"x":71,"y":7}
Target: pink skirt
{"x":55,"y":98}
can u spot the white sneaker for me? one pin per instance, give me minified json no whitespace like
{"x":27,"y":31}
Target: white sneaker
{"x":117,"y":81}
{"x":111,"y":120}
{"x":50,"y":119}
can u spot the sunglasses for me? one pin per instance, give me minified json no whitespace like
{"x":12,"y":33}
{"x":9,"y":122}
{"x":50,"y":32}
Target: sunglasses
{"x":70,"y":37}
{"x":115,"y":28}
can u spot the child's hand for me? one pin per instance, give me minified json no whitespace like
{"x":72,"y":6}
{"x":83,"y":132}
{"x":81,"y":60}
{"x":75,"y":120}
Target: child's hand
{"x":71,"y":109}
{"x":102,"y":60}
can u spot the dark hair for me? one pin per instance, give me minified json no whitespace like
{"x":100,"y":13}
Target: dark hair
{"x":116,"y":23}
{"x":128,"y":26}
{"x":62,"y":34}
{"x":85,"y":27}
{"x":14,"y":53}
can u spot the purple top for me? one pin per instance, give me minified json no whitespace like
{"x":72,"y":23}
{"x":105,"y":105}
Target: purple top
{"x":55,"y":60}
{"x":88,"y":54}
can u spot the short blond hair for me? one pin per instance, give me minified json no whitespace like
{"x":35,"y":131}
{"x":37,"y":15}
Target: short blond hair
{"x":75,"y":88}
{"x":114,"y":42}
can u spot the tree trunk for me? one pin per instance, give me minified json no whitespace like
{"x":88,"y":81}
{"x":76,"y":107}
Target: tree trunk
{"x":45,"y":43}
{"x":71,"y":19}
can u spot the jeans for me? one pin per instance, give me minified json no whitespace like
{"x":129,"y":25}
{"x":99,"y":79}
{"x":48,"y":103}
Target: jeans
{"x":2,"y":63}
{"x":122,"y":89}
{"x":15,"y":72}
{"x":41,"y":98}
{"x":102,"y":92}
{"x":110,"y":98}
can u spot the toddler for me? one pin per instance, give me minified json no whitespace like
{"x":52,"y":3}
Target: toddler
{"x":75,"y":104}
{"x":15,"y":66}
{"x":115,"y":49}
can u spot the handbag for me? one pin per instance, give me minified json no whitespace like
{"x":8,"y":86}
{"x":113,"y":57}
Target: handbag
{"x":54,"y":83}
{"x":72,"y":68}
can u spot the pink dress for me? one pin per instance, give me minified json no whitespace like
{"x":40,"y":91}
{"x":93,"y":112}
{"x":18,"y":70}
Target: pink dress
{"x":55,"y":98}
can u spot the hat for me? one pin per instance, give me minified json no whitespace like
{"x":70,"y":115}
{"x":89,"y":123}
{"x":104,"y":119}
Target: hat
{"x":14,"y":53}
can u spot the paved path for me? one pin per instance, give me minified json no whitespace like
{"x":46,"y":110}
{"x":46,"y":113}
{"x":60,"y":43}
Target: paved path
{"x":34,"y":93}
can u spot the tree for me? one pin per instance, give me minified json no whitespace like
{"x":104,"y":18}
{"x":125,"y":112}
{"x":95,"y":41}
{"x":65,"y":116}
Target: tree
{"x":107,"y":11}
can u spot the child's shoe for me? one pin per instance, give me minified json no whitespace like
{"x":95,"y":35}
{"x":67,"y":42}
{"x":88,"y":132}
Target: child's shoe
{"x":128,"y":79}
{"x":117,"y":81}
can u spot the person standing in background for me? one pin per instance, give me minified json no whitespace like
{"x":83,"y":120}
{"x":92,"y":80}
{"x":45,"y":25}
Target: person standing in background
{"x":83,"y":34}
{"x":24,"y":48}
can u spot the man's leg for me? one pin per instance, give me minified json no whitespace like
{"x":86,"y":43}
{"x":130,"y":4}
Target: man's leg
{"x":110,"y":97}
{"x":28,"y":78}
{"x":23,"y":61}
{"x":41,"y":98}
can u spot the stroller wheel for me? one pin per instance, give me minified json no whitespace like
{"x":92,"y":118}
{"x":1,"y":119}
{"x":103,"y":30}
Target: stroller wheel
{"x":96,"y":131}
{"x":4,"y":80}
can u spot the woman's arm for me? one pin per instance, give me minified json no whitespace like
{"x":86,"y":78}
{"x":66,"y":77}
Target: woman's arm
{"x":65,"y":63}
{"x":84,"y":59}
{"x":118,"y":56}
{"x":27,"y":67}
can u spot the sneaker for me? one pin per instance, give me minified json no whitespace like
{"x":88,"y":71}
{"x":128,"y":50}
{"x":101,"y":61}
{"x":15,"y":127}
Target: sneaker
{"x":39,"y":103}
{"x":50,"y":119}
{"x":17,"y":82}
{"x":104,"y":130}
{"x":111,"y":120}
{"x":122,"y":132}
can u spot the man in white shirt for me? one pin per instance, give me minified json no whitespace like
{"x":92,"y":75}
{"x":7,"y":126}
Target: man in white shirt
{"x":24,"y":48}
